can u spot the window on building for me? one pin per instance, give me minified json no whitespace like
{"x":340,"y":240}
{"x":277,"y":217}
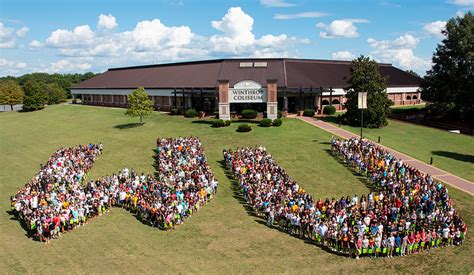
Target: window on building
{"x":325,"y":102}
{"x":408,"y":97}
{"x":336,"y":101}
{"x":414,"y":97}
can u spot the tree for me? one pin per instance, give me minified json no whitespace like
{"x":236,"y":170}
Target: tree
{"x":10,"y":93}
{"x":65,"y":81}
{"x":139,"y":104}
{"x":449,"y":85}
{"x":413,"y":73}
{"x":35,"y":96}
{"x":365,"y":77}
{"x":55,"y":94}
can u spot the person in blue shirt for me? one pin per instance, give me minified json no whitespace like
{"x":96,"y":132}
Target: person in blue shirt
{"x":398,"y":243}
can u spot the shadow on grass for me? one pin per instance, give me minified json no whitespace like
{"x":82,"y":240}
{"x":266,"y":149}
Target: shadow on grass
{"x":322,"y":142}
{"x":127,"y":126}
{"x":454,"y":155}
{"x":361,"y":178}
{"x":204,"y":121}
{"x":237,"y":194}
{"x":252,"y":121}
{"x":28,"y":232}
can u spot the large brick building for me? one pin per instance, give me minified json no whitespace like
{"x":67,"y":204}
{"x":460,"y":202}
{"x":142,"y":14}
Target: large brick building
{"x":228,"y":85}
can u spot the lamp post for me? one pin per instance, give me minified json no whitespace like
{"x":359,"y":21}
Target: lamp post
{"x":362,"y":104}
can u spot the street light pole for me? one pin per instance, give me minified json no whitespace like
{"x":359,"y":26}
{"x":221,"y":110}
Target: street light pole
{"x":362,"y":104}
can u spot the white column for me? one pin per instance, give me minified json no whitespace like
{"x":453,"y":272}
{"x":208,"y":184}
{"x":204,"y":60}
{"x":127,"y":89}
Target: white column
{"x":272,"y":110}
{"x":224,"y":111}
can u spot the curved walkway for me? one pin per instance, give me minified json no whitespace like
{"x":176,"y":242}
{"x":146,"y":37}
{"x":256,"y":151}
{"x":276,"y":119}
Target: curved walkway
{"x":437,"y":173}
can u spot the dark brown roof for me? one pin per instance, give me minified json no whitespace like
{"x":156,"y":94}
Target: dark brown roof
{"x":290,"y":73}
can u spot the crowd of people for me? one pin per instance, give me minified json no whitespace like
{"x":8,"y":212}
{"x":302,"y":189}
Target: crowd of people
{"x":56,"y":200}
{"x":407,"y":211}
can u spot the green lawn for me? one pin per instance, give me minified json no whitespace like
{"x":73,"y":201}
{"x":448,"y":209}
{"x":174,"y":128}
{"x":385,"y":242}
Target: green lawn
{"x":451,"y":152}
{"x":222,"y":238}
{"x":416,"y":106}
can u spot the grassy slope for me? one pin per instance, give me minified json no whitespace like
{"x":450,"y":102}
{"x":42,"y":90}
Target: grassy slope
{"x":451,"y":152}
{"x":221,"y":238}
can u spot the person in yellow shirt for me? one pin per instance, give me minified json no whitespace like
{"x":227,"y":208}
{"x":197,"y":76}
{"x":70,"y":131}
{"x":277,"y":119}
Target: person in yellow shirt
{"x":135,"y":200}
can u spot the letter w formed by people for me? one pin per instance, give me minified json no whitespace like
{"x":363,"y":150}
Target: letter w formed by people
{"x":60,"y":198}
{"x":406,"y":212}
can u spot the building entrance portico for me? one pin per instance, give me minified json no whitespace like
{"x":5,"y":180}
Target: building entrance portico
{"x":247,"y":92}
{"x":239,"y":107}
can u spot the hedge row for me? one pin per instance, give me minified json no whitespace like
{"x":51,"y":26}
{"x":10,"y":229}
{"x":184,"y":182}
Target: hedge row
{"x":244,"y":128}
{"x":217,"y":123}
{"x":308,"y":112}
{"x":329,"y":110}
{"x":192,"y":113}
{"x":266,"y":122}
{"x":249,"y":113}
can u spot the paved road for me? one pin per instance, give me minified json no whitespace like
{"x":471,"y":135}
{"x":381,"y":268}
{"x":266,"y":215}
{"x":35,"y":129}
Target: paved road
{"x":437,"y":173}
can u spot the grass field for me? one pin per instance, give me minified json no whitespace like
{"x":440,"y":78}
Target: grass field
{"x":222,"y":238}
{"x":451,"y":152}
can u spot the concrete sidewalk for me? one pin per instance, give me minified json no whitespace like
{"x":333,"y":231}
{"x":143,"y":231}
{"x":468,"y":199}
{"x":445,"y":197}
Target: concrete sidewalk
{"x":437,"y":173}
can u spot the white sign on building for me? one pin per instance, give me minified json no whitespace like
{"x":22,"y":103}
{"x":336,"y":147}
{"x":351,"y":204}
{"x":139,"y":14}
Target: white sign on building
{"x":247,"y":91}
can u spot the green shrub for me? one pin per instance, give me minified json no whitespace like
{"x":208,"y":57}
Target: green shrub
{"x":279,"y":114}
{"x":308,"y":112}
{"x":174,"y":112}
{"x":217,"y":123}
{"x":329,"y":110}
{"x":244,"y":128}
{"x":277,"y":122}
{"x":191,"y":113}
{"x":266,"y":122}
{"x":249,"y":113}
{"x":227,"y":122}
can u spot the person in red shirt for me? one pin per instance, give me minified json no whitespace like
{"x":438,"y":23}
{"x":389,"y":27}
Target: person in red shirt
{"x":411,"y":242}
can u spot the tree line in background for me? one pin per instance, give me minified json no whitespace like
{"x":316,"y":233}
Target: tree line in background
{"x":36,"y":90}
{"x":448,"y":87}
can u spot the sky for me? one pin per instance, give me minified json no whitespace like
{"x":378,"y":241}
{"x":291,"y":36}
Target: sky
{"x":70,"y":36}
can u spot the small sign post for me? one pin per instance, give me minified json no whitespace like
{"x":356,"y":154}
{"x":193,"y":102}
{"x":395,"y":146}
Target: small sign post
{"x":362,"y":104}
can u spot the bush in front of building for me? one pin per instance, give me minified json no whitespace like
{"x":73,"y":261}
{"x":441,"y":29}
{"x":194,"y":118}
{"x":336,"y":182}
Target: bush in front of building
{"x":329,"y":110}
{"x":249,"y":113}
{"x":308,"y":112}
{"x":174,"y":112}
{"x":191,"y":113}
{"x":277,"y":122}
{"x":227,"y":122}
{"x":217,"y":123}
{"x":279,"y":114}
{"x":266,"y":122}
{"x":244,"y":128}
